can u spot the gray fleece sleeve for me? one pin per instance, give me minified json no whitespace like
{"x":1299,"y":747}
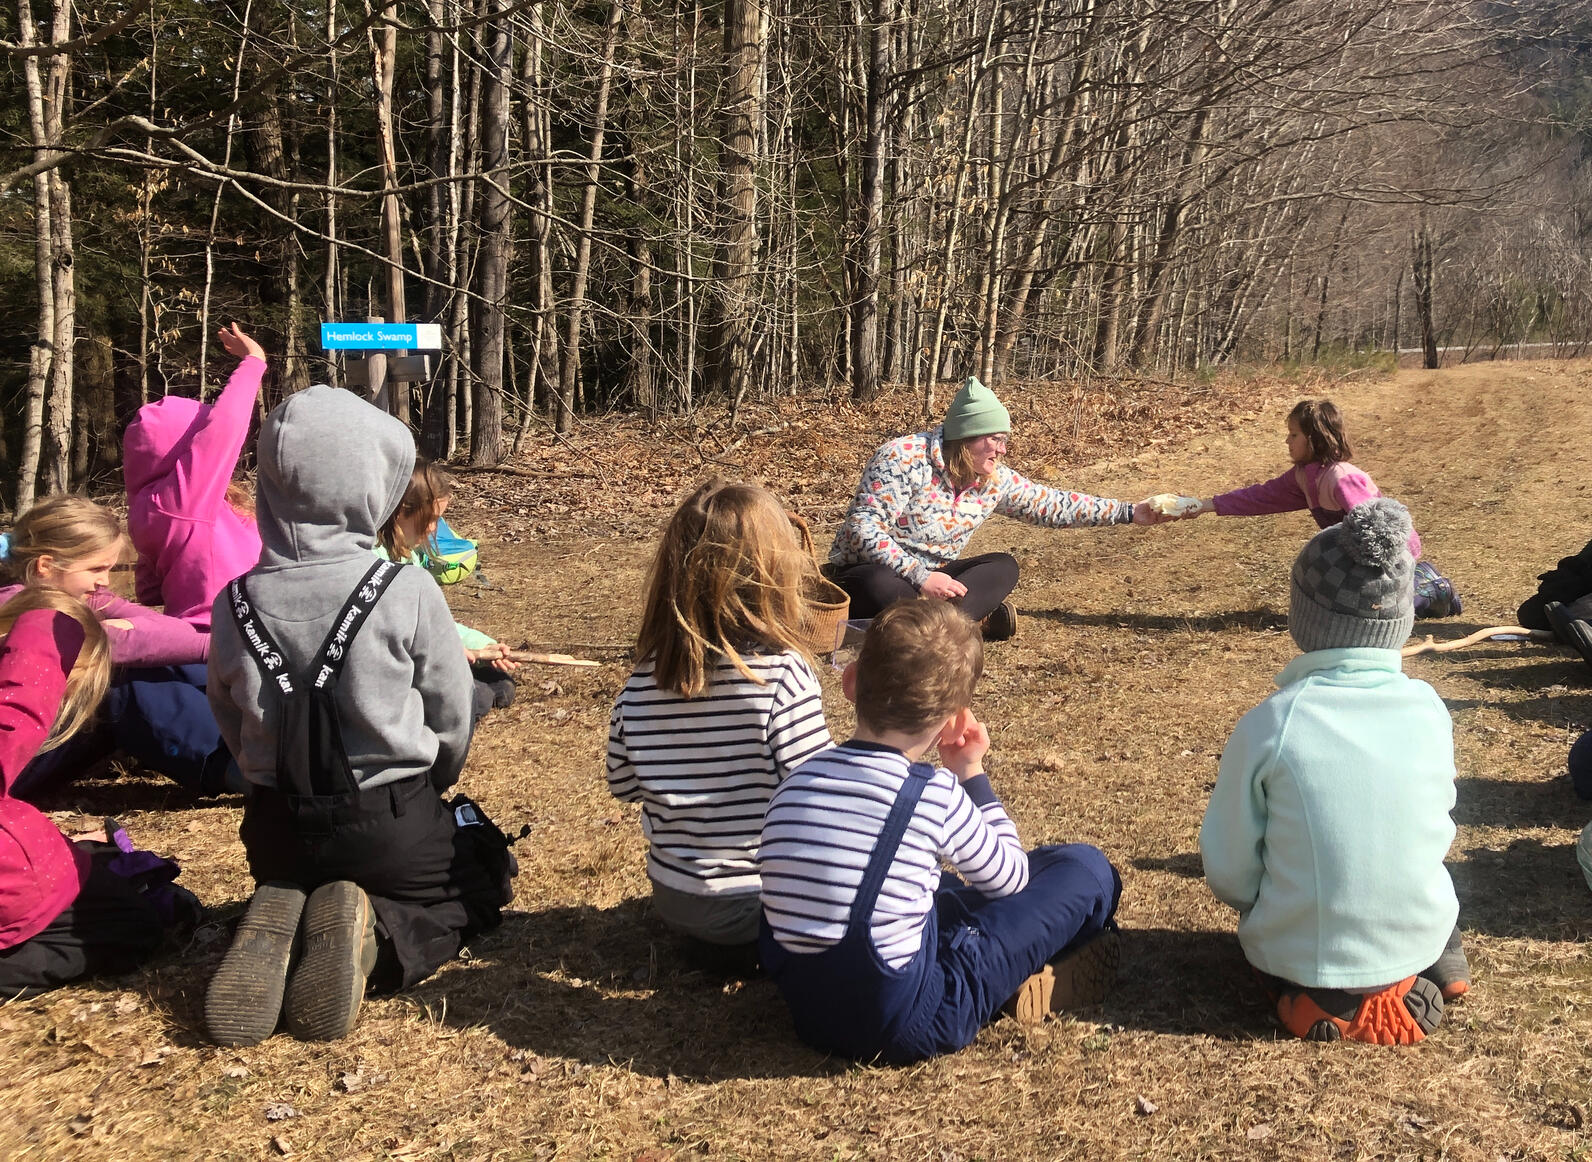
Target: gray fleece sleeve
{"x":442,"y":675}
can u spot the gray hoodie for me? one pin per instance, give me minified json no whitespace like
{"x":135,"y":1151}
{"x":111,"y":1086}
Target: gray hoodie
{"x":332,"y":469}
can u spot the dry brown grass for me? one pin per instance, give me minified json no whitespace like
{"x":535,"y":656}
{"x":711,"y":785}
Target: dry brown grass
{"x":576,"y":1031}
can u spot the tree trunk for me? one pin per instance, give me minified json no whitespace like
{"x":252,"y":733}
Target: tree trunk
{"x":863,"y":254}
{"x":492,"y":265}
{"x":1422,"y":276}
{"x":729,"y":337}
{"x":384,"y":61}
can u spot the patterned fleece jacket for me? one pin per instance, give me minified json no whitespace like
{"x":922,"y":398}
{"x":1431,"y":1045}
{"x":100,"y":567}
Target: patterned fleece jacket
{"x":907,"y":513}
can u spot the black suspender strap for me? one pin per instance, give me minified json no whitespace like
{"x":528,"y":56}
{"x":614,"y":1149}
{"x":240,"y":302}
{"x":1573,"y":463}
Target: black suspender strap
{"x":327,"y":663}
{"x":268,"y":656}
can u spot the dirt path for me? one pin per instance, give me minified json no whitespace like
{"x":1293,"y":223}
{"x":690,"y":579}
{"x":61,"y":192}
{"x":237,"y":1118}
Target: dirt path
{"x":577,"y":1031}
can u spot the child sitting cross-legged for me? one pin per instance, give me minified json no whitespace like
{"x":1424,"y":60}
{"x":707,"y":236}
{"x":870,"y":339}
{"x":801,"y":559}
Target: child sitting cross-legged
{"x":876,"y":954}
{"x":1329,"y":821}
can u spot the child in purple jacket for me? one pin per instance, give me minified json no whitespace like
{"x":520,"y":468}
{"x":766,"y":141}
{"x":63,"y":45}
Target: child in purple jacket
{"x":1322,"y":480}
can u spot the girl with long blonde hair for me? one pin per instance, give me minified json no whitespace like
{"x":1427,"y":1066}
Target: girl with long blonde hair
{"x":721,"y":706}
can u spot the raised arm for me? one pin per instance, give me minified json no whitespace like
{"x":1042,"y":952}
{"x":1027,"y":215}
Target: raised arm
{"x":1055,"y":508}
{"x":205,"y":467}
{"x":980,"y":841}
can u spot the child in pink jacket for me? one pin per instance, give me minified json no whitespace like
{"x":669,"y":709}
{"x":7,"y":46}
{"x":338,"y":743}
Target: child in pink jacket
{"x":1322,"y":480}
{"x":68,"y":908}
{"x":156,"y":710}
{"x":178,"y":459}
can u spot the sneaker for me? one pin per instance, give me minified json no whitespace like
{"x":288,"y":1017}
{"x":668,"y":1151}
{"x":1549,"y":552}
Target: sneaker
{"x":1451,"y":973}
{"x":1401,"y":1014}
{"x":1570,"y":630}
{"x":1081,"y":976}
{"x":1000,"y":623}
{"x":339,"y":935}
{"x":245,"y":996}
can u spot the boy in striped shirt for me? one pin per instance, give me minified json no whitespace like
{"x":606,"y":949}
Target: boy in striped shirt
{"x":877,"y":954}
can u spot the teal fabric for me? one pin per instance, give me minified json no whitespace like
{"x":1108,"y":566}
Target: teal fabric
{"x":1329,"y":822}
{"x":975,"y":411}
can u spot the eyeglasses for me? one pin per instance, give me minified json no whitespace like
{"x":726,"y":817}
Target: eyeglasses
{"x":999,"y":443}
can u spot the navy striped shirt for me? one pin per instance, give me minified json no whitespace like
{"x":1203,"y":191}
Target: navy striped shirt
{"x":820,"y":831}
{"x":703,"y":768}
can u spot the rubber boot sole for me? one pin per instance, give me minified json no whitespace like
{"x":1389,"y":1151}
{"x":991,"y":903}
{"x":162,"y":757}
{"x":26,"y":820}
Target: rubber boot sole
{"x":339,"y":947}
{"x":1078,"y":979}
{"x":244,"y":999}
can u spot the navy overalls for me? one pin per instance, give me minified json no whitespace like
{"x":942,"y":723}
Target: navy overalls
{"x":976,"y":951}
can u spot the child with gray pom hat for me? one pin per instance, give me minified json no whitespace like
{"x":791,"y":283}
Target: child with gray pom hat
{"x":1329,"y":821}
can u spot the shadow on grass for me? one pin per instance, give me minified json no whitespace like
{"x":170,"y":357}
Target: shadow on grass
{"x":1537,"y":674}
{"x":1188,"y":983}
{"x":1254,"y":620}
{"x":612,"y":986}
{"x":1187,"y":864}
{"x":1531,"y":890}
{"x":1545,"y":802}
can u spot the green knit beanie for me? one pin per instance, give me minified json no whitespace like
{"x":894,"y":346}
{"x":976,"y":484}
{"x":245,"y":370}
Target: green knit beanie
{"x":975,"y":412}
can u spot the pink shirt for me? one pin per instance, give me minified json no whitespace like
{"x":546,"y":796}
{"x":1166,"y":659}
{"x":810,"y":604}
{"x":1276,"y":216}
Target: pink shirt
{"x":178,"y":458}
{"x":1328,"y":491}
{"x":41,"y":871}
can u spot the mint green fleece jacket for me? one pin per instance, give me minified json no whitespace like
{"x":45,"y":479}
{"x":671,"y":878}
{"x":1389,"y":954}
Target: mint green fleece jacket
{"x":1330,"y":820}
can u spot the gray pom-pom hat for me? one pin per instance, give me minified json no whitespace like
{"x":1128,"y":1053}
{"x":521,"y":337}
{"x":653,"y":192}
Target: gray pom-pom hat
{"x":1354,"y":583}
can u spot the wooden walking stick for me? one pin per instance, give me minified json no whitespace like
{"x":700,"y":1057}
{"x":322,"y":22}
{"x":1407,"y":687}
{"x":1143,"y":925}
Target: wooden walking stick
{"x":528,"y":657}
{"x":1431,"y":645}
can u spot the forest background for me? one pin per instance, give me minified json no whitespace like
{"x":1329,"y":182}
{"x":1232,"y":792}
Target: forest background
{"x":664,"y":204}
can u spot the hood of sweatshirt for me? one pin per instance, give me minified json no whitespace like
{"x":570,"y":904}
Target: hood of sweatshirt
{"x":156,"y":437}
{"x":332,"y":470}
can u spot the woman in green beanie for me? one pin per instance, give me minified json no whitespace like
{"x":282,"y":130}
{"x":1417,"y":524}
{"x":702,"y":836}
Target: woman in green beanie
{"x":922,"y":496}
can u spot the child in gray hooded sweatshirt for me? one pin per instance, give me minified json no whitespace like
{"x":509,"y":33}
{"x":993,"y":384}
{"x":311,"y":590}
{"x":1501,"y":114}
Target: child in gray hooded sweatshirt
{"x":362,"y":871}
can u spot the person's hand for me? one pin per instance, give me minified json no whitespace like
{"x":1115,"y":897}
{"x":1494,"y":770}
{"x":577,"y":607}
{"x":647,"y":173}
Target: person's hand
{"x":942,"y":587}
{"x":1145,"y":513}
{"x":238,"y":344}
{"x":1207,"y":504}
{"x":963,"y":745}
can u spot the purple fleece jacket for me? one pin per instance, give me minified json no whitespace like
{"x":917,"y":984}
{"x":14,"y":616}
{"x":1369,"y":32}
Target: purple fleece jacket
{"x":154,"y":640}
{"x":178,"y":458}
{"x":1327,"y":490}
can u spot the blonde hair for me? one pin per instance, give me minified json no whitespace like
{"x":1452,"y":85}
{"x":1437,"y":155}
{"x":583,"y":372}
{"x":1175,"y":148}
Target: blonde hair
{"x":729,"y":576}
{"x":918,"y":665}
{"x":240,"y":498}
{"x":429,"y":487}
{"x":91,"y":673}
{"x":65,"y":528}
{"x":959,"y":463}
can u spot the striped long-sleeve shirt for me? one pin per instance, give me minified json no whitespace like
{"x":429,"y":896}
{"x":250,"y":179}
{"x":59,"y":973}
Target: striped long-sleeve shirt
{"x":908,"y":514}
{"x":703,"y":768}
{"x":820,"y":832}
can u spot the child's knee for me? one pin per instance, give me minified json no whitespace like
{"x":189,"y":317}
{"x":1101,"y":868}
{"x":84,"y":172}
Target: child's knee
{"x":1079,"y":862}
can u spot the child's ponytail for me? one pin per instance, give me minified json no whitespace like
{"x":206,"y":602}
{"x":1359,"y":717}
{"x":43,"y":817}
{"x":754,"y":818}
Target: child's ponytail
{"x":91,"y":674}
{"x":729,"y":576}
{"x":1321,"y":423}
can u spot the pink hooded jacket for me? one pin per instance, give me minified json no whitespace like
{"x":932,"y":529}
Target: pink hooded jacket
{"x":41,"y":871}
{"x":178,"y":456}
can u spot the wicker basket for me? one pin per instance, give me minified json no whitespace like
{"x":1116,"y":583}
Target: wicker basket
{"x":828,"y":606}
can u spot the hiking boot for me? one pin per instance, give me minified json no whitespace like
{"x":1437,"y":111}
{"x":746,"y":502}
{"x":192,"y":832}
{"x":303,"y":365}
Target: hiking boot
{"x":339,"y":942}
{"x":1000,"y":623}
{"x":1451,"y":973}
{"x":245,"y":995}
{"x":1079,"y":977}
{"x":1570,"y":630}
{"x":1401,"y":1014}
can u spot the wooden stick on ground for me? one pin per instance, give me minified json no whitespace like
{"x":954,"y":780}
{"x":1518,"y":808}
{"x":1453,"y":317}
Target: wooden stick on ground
{"x":1430,"y":645}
